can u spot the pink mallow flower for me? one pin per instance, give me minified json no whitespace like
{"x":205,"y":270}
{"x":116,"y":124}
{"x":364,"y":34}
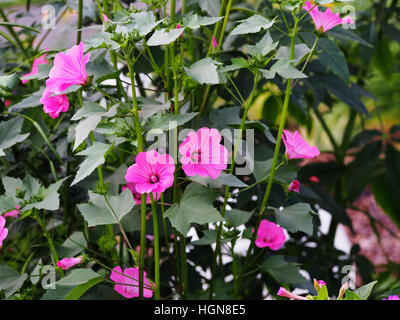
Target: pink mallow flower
{"x":294,"y":186}
{"x":67,"y":263}
{"x":127,"y":282}
{"x":105,"y":18}
{"x":41,"y":60}
{"x":3,"y":230}
{"x":297,"y":147}
{"x":137,"y":197}
{"x":7,"y":103}
{"x":326,"y":20}
{"x":270,"y":235}
{"x":321,"y":283}
{"x":202,"y":153}
{"x":13,"y":213}
{"x":285,"y":293}
{"x":394,"y":297}
{"x":214,"y":43}
{"x":54,"y":104}
{"x":69,"y":69}
{"x":152,"y":172}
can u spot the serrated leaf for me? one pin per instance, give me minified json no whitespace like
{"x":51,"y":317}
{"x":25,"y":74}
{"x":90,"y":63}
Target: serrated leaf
{"x":10,"y":133}
{"x":252,"y":25}
{"x":204,"y":71}
{"x":194,"y":21}
{"x":163,"y":37}
{"x":263,"y":47}
{"x":95,"y":157}
{"x":297,"y":217}
{"x":284,"y":272}
{"x":223,"y":180}
{"x":10,"y":280}
{"x":75,"y":244}
{"x":9,"y":82}
{"x":170,"y":121}
{"x":196,"y":206}
{"x":365,"y":291}
{"x":238,"y":217}
{"x":285,"y":69}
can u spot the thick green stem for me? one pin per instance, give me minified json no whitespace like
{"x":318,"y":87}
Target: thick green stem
{"x":275,"y":158}
{"x":156,"y":249}
{"x":227,"y":188}
{"x":80,"y":19}
{"x":13,"y":34}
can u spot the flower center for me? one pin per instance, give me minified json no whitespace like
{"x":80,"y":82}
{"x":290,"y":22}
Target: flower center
{"x":196,"y":156}
{"x":154,"y":179}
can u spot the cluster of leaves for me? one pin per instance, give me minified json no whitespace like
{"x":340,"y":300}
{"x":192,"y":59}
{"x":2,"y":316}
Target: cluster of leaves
{"x":211,"y":86}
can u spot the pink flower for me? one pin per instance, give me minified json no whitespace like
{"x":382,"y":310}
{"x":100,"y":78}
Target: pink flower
{"x":285,"y":293}
{"x":13,"y":213}
{"x":3,"y":231}
{"x":321,"y":283}
{"x":67,"y":263}
{"x":297,"y":147}
{"x":54,"y":104}
{"x":152,"y":172}
{"x":203,"y":154}
{"x":178,"y":26}
{"x":7,"y":103}
{"x":69,"y":69}
{"x":137,"y":197}
{"x":105,"y":18}
{"x":395,"y":297}
{"x":314,"y":179}
{"x":150,"y":237}
{"x":128,"y":282}
{"x":41,"y":60}
{"x":270,"y":235}
{"x":214,"y":43}
{"x":294,"y":186}
{"x":326,"y":20}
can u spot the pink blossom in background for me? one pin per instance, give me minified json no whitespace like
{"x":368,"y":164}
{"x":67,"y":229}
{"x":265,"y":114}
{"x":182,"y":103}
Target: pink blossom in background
{"x":394,"y":297}
{"x":13,"y":213}
{"x":54,"y":104}
{"x":297,"y":147}
{"x":7,"y":103}
{"x":214,"y":43}
{"x":321,"y":283}
{"x":3,"y":230}
{"x":294,"y":186}
{"x":202,"y":153}
{"x":69,"y":69}
{"x":314,"y":179}
{"x":150,"y":237}
{"x":130,"y":277}
{"x":137,"y":197}
{"x":41,"y":60}
{"x":67,"y":263}
{"x":105,"y":18}
{"x":326,"y":20}
{"x":152,"y":172}
{"x":178,"y":26}
{"x":270,"y":235}
{"x":285,"y":293}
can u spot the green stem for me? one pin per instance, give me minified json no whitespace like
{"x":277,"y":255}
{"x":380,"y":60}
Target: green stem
{"x":80,"y":19}
{"x":13,"y":34}
{"x":156,"y":249}
{"x":275,"y":158}
{"x":227,"y":188}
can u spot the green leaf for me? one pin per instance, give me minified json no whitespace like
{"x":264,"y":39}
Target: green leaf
{"x":323,"y":293}
{"x":102,"y":40}
{"x":204,"y":71}
{"x":43,"y":72}
{"x":252,"y":25}
{"x":10,"y":133}
{"x":350,"y":295}
{"x":149,"y":107}
{"x":169,"y":121}
{"x":196,"y":206}
{"x":282,"y":271}
{"x":74,"y":245}
{"x":194,"y":21}
{"x":30,"y":101}
{"x":100,"y":69}
{"x":83,"y":129}
{"x":223,"y":180}
{"x":73,"y":285}
{"x":9,"y":82}
{"x":238,"y":217}
{"x":297,"y":217}
{"x":209,"y":237}
{"x":364,"y":291}
{"x":285,"y":69}
{"x":98,"y":212}
{"x":263,"y":47}
{"x":145,"y":22}
{"x":163,"y":37}
{"x":300,"y":51}
{"x":95,"y":157}
{"x":11,"y":280}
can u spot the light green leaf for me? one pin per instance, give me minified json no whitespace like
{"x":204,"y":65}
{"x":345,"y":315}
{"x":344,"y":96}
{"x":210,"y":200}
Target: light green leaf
{"x":98,"y":212}
{"x":223,"y":180}
{"x":285,"y":69}
{"x":75,"y":244}
{"x":195,"y":21}
{"x":163,"y":37}
{"x":204,"y":71}
{"x":252,"y":25}
{"x":73,"y":285}
{"x":263,"y":47}
{"x":284,"y":272}
{"x":364,"y":291}
{"x":209,"y":237}
{"x":9,"y":82}
{"x":238,"y":217}
{"x":300,"y":51}
{"x":297,"y":217}
{"x":169,"y":121}
{"x":10,"y":133}
{"x":95,"y":157}
{"x":10,"y":280}
{"x":84,"y":128}
{"x":43,"y":72}
{"x":196,"y":206}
